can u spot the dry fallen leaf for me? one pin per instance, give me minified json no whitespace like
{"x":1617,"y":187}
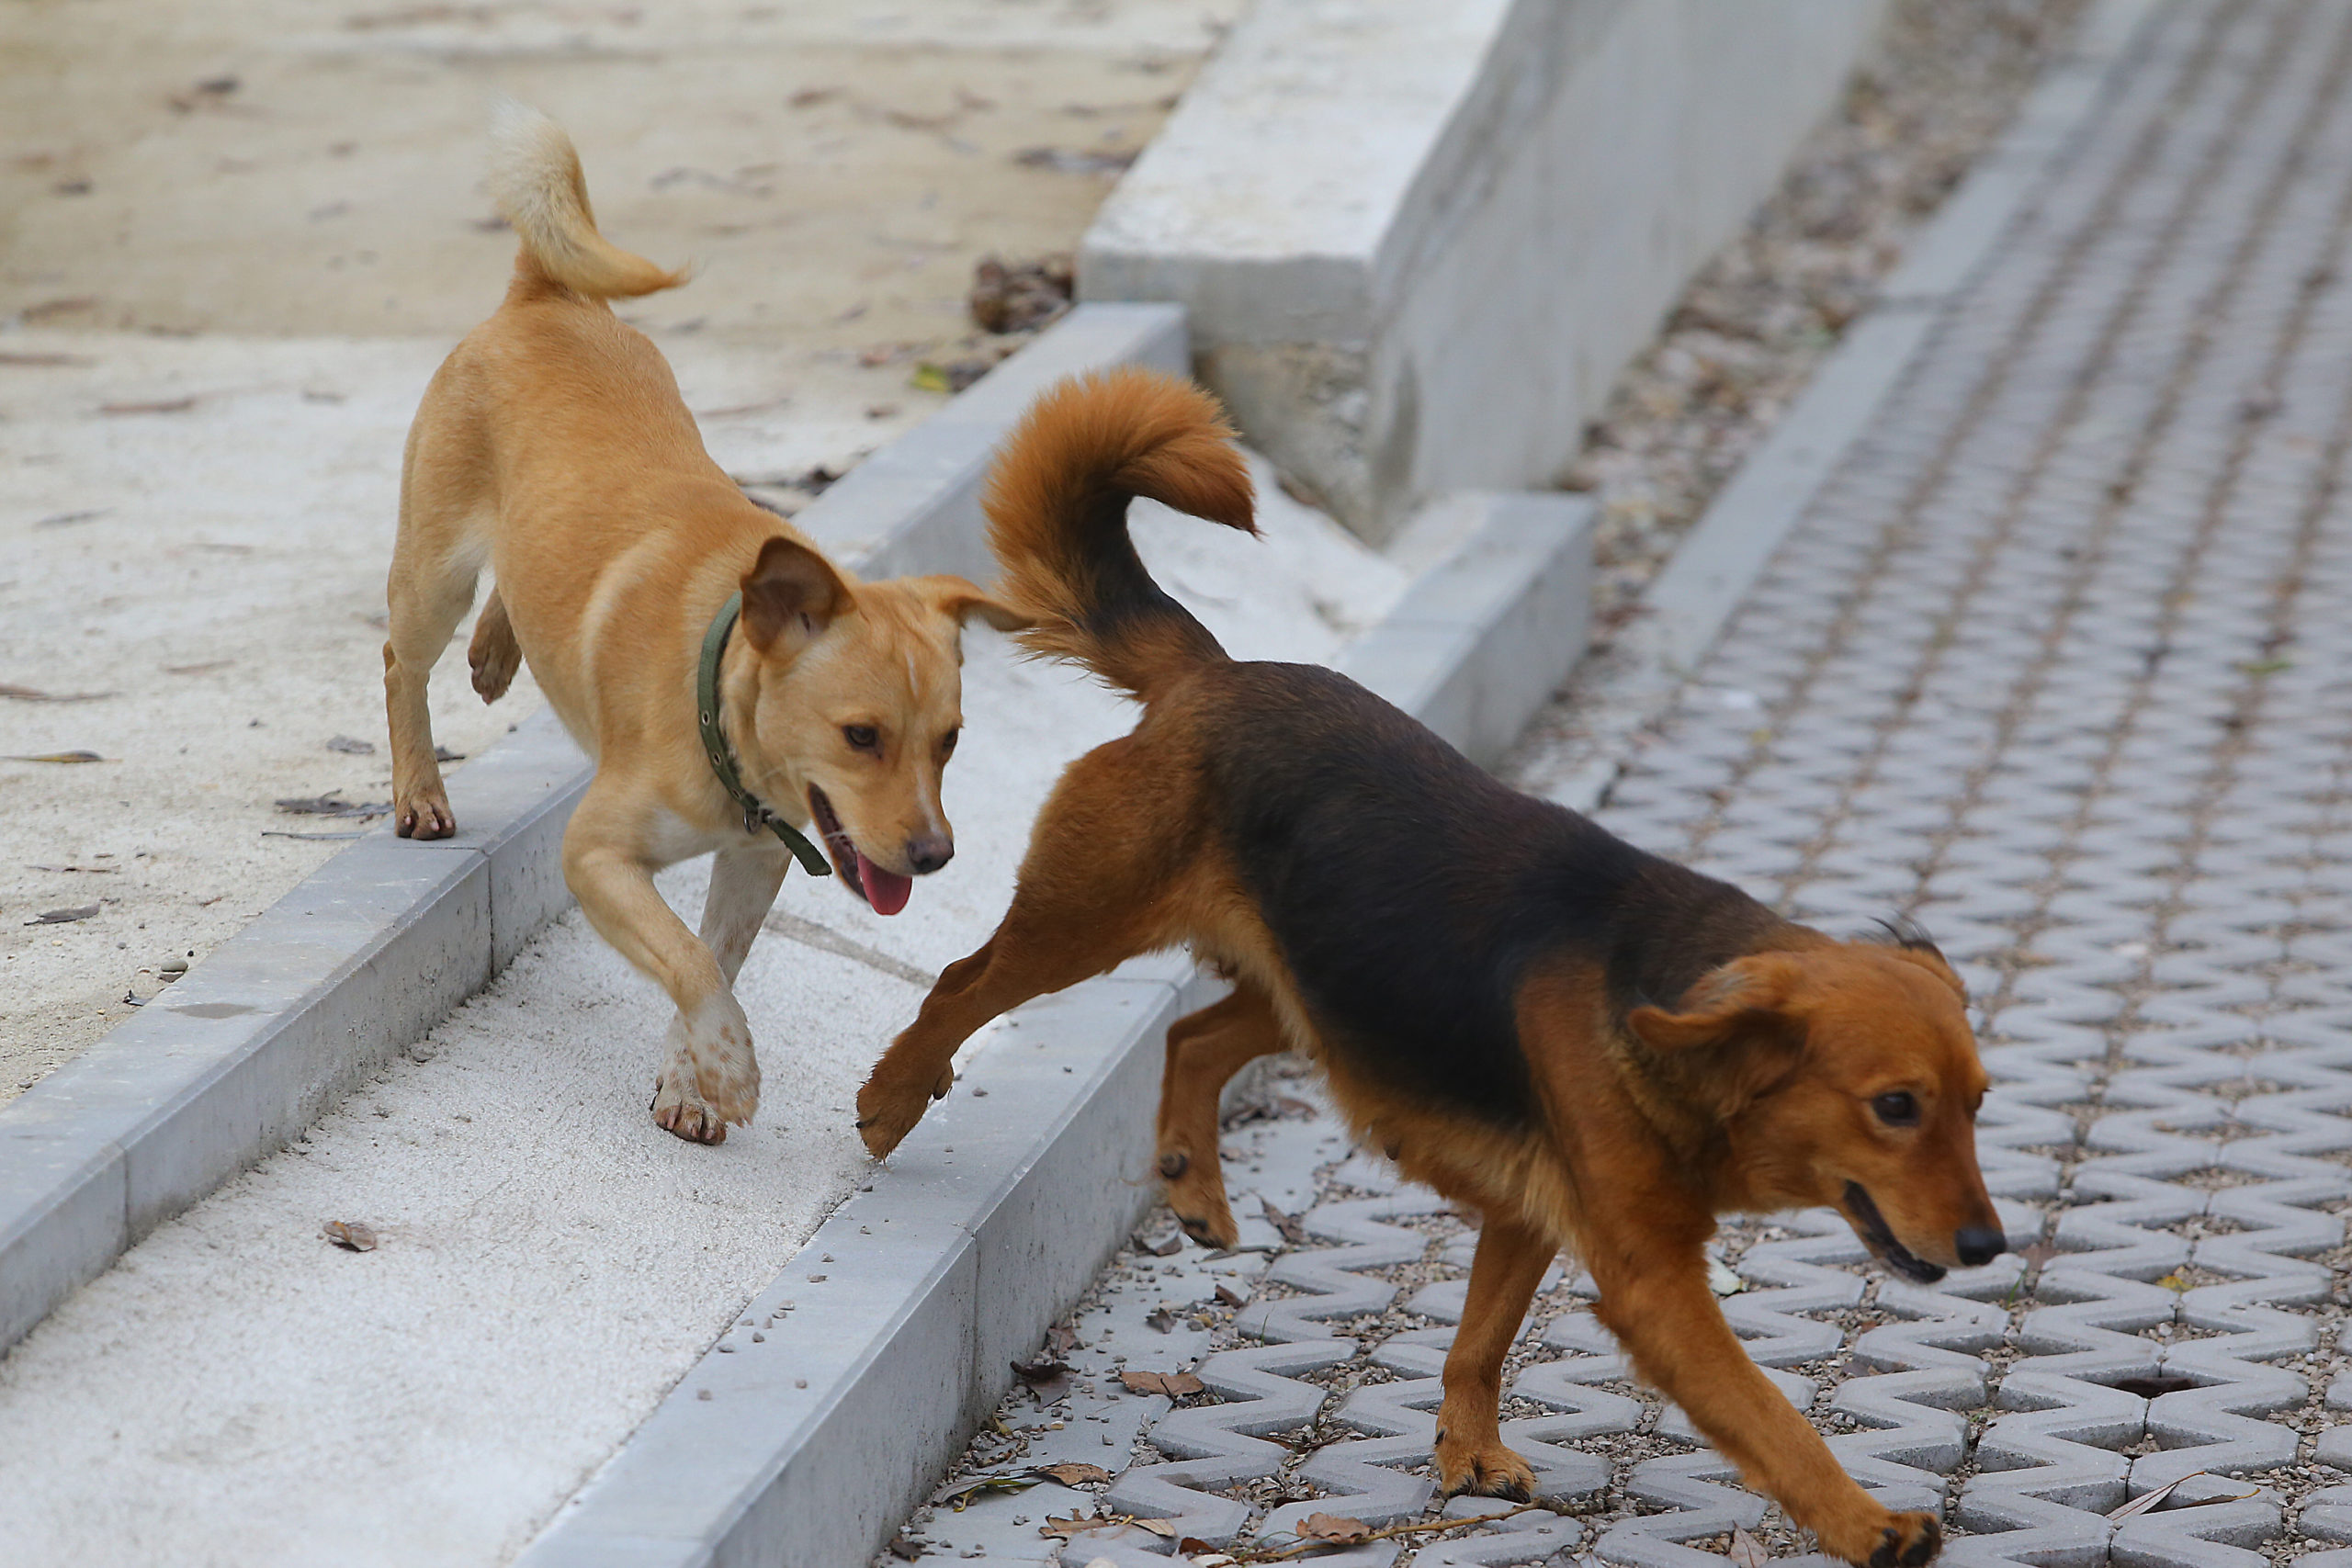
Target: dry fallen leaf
{"x":1746,"y":1551}
{"x":63,"y":917}
{"x":1048,"y":1377}
{"x":1292,"y":1231}
{"x":1078,"y":1524}
{"x":1161,"y":1319}
{"x":1333,"y":1526}
{"x":65,"y":757}
{"x":328,"y":805}
{"x":1229,"y":1297}
{"x":1175,"y":1385}
{"x":958,"y":1494}
{"x":1073,"y":1473}
{"x":160,"y":405}
{"x":349,"y":1234}
{"x":27,"y":695}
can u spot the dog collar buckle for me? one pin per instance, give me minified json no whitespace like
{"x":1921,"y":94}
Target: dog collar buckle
{"x":756,"y":815}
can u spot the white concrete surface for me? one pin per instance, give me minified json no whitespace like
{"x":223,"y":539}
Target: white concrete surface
{"x":216,"y":572}
{"x":236,"y":1390}
{"x":275,"y":208}
{"x":1477,"y":214}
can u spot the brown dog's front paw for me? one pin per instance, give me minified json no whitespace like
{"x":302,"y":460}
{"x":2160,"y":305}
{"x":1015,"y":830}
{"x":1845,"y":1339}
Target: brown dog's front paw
{"x":1484,"y":1471}
{"x":1196,"y":1193}
{"x":883,"y":1119}
{"x":424,"y":816}
{"x":1910,"y":1542}
{"x":1885,"y":1540}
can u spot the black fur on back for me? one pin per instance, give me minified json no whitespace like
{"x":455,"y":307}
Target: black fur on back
{"x":1409,"y":892}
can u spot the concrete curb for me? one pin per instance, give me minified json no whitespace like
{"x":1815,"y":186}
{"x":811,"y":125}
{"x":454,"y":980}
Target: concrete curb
{"x":828,"y":1413}
{"x":1438,"y":226}
{"x":1690,"y":602}
{"x":386,"y":939}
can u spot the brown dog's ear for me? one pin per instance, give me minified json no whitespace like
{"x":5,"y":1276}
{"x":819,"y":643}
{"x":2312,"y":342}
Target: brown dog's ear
{"x":790,"y":594}
{"x":1911,"y":942}
{"x":958,"y":598}
{"x":1734,"y":1037}
{"x":1742,"y":995}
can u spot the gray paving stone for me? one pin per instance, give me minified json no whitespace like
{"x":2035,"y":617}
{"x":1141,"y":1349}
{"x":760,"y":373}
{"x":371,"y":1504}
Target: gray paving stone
{"x":2052,"y":659}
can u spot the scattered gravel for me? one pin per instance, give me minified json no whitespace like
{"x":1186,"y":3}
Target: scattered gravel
{"x":1944,"y":81}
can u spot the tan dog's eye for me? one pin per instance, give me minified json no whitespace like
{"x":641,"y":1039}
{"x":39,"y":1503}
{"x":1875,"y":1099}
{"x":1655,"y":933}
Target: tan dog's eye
{"x":1897,"y":1109}
{"x":948,"y":742}
{"x":862,"y":736}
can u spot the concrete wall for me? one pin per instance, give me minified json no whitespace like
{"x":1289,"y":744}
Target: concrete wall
{"x":1418,"y":241}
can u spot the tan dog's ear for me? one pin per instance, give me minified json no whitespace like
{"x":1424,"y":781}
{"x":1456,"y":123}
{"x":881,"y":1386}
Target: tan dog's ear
{"x":790,"y":594}
{"x":956,"y":597}
{"x":1735,"y":1038}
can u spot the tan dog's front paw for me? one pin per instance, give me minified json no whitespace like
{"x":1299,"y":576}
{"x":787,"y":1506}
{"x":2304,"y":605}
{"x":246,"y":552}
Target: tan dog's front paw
{"x":887,"y":1113}
{"x":1884,"y":1539}
{"x":1483,"y":1470}
{"x":678,"y":1108}
{"x":1197,"y":1194}
{"x":424,"y":814}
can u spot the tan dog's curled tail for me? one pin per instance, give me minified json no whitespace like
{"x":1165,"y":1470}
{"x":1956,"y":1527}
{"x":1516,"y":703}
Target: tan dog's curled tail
{"x":535,"y":179}
{"x":1057,"y":520}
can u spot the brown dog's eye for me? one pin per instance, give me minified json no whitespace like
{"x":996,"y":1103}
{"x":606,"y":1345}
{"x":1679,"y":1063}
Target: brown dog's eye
{"x":1897,"y":1109}
{"x":861,"y":737}
{"x":948,"y":742}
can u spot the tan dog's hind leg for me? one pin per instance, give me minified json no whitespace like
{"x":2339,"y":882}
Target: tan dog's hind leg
{"x":712,"y":1040}
{"x":1504,"y":1272}
{"x":494,"y":654}
{"x":429,"y":593}
{"x":743,"y":885}
{"x":1659,"y":1307}
{"x":1204,"y":1050}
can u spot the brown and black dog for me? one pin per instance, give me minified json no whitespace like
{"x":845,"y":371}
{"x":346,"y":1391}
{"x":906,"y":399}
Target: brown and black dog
{"x":1595,"y":1048}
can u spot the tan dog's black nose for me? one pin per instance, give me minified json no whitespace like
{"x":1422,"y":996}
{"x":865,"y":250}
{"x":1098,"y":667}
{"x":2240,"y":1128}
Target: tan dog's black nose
{"x":1979,"y":1245}
{"x":926,"y":853}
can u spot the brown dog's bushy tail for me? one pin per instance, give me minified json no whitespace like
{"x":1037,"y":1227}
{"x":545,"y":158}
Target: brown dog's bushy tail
{"x":534,"y":176}
{"x":1057,"y":520}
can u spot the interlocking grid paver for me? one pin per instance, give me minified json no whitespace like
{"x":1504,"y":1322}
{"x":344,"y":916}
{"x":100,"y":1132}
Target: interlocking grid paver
{"x":2058,"y":664}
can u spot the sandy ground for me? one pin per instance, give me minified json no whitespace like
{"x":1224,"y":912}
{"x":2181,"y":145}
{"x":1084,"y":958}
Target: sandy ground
{"x":236,"y":238}
{"x":237,"y":1391}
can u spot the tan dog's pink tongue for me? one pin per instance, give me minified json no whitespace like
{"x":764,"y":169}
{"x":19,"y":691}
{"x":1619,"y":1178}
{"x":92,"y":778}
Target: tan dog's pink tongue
{"x":886,"y":890}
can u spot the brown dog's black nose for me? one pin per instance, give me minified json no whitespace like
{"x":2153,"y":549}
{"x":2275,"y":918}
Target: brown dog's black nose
{"x":1979,"y":1245}
{"x":928,"y":851}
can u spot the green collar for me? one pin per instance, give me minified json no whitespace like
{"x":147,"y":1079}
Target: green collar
{"x":722,"y":760}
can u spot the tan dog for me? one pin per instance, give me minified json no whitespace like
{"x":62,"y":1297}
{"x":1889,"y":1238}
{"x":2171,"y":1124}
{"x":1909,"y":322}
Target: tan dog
{"x":553,"y":445}
{"x":1595,"y":1048}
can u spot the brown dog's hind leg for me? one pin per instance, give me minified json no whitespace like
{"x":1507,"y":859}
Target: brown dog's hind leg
{"x":1204,"y":1050}
{"x":494,"y":654}
{"x":1658,"y":1304}
{"x":1504,"y":1272}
